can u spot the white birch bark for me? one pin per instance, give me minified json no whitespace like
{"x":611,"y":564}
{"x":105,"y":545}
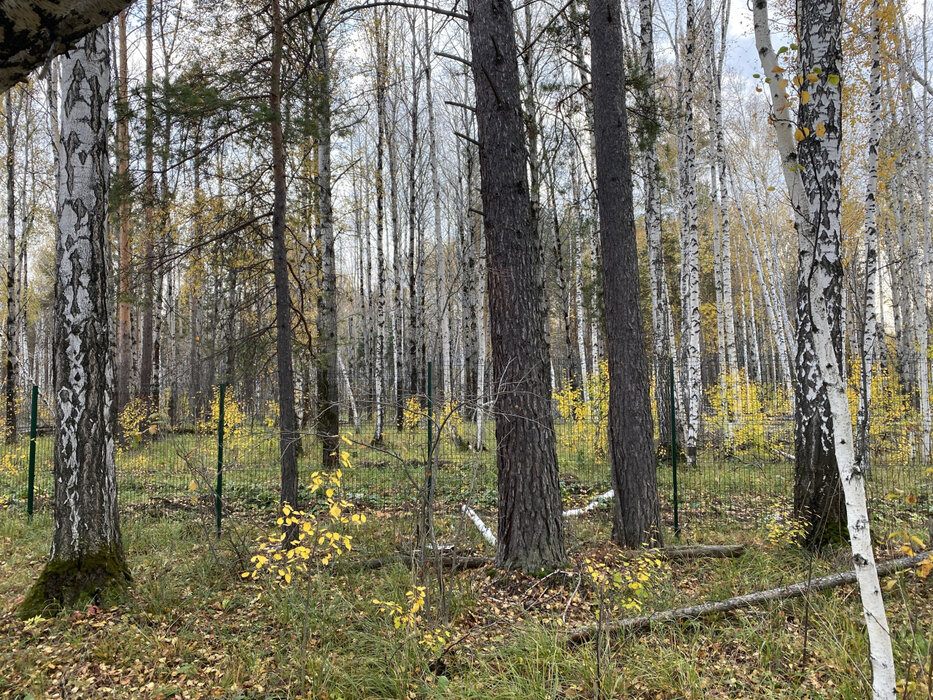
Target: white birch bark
{"x":820,"y":151}
{"x":443,"y":311}
{"x":871,"y":245}
{"x":86,"y":515}
{"x":690,"y":246}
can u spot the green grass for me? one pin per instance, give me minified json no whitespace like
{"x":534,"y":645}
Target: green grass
{"x":175,"y":473}
{"x":193,"y":627}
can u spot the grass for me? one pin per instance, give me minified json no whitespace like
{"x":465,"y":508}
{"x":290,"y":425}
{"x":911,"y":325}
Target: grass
{"x":192,"y":627}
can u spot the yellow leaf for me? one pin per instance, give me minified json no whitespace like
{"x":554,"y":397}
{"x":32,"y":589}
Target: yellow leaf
{"x":820,"y":129}
{"x":804,"y":97}
{"x":798,"y":135}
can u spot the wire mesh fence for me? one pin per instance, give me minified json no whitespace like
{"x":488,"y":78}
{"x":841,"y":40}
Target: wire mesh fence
{"x":743,"y":472}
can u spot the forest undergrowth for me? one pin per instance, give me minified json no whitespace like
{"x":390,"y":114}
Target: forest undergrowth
{"x":192,"y":626}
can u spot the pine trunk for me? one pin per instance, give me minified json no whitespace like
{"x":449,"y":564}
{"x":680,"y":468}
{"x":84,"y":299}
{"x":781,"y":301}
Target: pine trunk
{"x":637,"y":517}
{"x":530,"y":532}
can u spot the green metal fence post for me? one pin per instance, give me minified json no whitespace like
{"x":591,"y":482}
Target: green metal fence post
{"x":674,"y":451}
{"x":218,"y":495}
{"x":31,"y":485}
{"x":429,"y":475}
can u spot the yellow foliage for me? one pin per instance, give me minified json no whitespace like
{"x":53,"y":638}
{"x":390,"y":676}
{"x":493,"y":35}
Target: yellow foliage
{"x":589,"y":420}
{"x":406,"y":616}
{"x":412,"y":415}
{"x":632,"y":579}
{"x":740,"y":404}
{"x":321,"y":538}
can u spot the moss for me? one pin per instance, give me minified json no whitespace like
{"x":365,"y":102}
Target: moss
{"x":98,"y":578}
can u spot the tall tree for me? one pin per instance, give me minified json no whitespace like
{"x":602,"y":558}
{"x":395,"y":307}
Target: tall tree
{"x":288,"y":433}
{"x":530,"y":532}
{"x":817,"y":493}
{"x":871,"y":242}
{"x":87,"y":552}
{"x":327,"y":383}
{"x":661,"y":319}
{"x":149,"y":223}
{"x":9,"y":328}
{"x":691,"y":338}
{"x":124,"y":251}
{"x":821,"y":154}
{"x":637,"y":514}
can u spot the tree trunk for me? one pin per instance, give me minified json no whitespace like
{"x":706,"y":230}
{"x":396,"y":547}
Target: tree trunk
{"x":327,"y":381}
{"x":871,"y":245}
{"x":817,"y":497}
{"x":690,"y":249}
{"x":661,"y":318}
{"x":9,"y":328}
{"x":530,"y":522}
{"x":87,"y":553}
{"x":820,"y":150}
{"x":148,"y":197}
{"x":637,"y":515}
{"x":124,"y":330}
{"x":382,"y":61}
{"x":288,"y":434}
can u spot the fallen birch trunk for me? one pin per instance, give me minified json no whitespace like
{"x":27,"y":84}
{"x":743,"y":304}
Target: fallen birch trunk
{"x":582,"y":634}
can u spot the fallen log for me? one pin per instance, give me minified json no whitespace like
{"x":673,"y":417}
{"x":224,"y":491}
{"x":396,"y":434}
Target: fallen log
{"x":796,"y":590}
{"x":690,"y":551}
{"x":458,"y":563}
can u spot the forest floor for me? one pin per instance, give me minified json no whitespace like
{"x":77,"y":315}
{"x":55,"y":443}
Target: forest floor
{"x":191,"y":626}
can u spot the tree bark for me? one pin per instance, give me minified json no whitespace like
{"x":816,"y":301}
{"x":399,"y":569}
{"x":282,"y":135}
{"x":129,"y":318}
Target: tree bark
{"x":288,"y":434}
{"x":694,"y":612}
{"x":9,"y":328}
{"x":692,"y":339}
{"x":871,"y":245}
{"x":530,"y":522}
{"x":817,"y":494}
{"x":820,"y":152}
{"x":637,"y":514}
{"x":327,"y":381}
{"x":124,"y":329}
{"x":87,"y":551}
{"x":34,"y":33}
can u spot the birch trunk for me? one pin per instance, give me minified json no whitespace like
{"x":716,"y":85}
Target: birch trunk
{"x":87,"y":551}
{"x":444,"y":310}
{"x":871,"y":246}
{"x":661,"y":318}
{"x":690,"y":247}
{"x":820,"y":45}
{"x":817,"y":494}
{"x":9,"y":326}
{"x":382,"y":61}
{"x":328,"y":408}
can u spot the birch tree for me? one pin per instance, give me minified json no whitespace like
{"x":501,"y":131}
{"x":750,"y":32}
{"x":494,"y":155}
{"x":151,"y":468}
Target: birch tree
{"x":691,"y":340}
{"x":87,"y":552}
{"x":871,"y":244}
{"x":820,"y":125}
{"x":817,"y":494}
